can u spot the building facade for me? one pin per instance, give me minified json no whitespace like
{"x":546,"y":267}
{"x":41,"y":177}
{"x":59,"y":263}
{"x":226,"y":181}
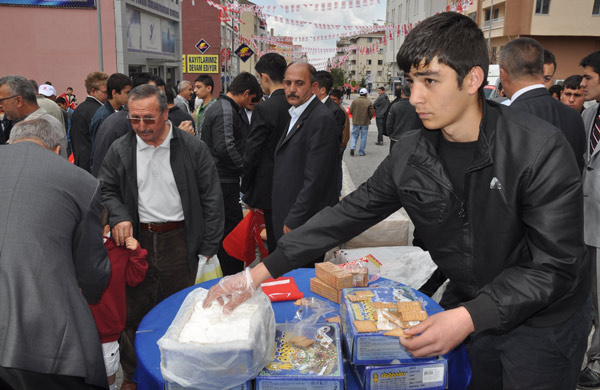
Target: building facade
{"x":405,"y":13}
{"x":362,"y":65}
{"x":570,"y":30}
{"x":252,"y":25}
{"x":60,"y":43}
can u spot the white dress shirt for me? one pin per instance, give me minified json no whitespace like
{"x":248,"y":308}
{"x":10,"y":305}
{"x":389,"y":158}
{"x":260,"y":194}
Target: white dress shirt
{"x":158,"y":198}
{"x":522,"y":91}
{"x":295,"y":112}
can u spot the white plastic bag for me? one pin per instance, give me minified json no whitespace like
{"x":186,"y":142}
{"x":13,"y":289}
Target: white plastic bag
{"x":218,"y":365}
{"x":208,"y":269}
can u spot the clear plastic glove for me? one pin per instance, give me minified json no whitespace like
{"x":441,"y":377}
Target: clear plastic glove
{"x":236,"y":288}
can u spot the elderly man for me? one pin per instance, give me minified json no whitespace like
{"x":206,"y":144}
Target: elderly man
{"x":160,"y":185}
{"x":184,"y":96}
{"x":53,"y":263}
{"x":18,"y":102}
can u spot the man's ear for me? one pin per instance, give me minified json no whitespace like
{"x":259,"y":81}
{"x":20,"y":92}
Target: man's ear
{"x":56,"y":150}
{"x":475,"y":79}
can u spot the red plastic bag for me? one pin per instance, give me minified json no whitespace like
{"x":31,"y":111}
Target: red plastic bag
{"x":241,"y":243}
{"x":281,"y":289}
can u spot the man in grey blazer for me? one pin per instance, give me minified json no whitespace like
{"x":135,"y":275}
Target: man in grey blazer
{"x":52,"y":265}
{"x":590,"y":376}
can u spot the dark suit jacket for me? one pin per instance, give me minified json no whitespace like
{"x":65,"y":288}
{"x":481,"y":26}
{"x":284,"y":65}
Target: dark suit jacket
{"x":81,"y":139}
{"x":113,"y":128}
{"x":269,"y":121}
{"x":339,"y":115}
{"x":304,"y":179}
{"x":52,"y":262}
{"x":540,"y":103}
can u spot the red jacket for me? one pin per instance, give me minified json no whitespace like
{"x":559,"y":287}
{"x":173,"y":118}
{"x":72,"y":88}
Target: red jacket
{"x":129,"y":267}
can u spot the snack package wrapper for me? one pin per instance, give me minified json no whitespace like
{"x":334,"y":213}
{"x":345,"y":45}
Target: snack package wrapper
{"x":221,"y":352}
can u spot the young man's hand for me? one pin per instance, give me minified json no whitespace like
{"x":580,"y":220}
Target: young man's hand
{"x":438,"y":334}
{"x":131,"y":243}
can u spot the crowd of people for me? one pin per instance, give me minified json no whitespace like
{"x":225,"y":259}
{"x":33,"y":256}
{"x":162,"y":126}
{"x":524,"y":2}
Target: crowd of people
{"x":503,"y":195}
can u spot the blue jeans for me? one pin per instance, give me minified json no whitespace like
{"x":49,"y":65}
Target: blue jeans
{"x":364,"y":130}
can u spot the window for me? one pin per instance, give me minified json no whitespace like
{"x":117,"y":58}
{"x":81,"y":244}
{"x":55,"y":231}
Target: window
{"x":369,"y":40}
{"x":379,"y":62}
{"x":379,"y":73}
{"x":542,"y":7}
{"x":596,"y":8}
{"x":353,"y":62}
{"x":368,"y":62}
{"x":473,"y":16}
{"x":380,"y":51}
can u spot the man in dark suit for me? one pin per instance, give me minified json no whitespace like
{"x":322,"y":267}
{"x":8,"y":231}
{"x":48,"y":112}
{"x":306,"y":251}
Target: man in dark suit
{"x":522,"y":75}
{"x":81,"y":139}
{"x":53,"y":264}
{"x":304,"y":180}
{"x":324,"y":85}
{"x":269,"y":119}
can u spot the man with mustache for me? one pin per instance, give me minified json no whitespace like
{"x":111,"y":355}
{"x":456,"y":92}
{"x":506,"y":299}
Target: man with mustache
{"x":304,"y":179}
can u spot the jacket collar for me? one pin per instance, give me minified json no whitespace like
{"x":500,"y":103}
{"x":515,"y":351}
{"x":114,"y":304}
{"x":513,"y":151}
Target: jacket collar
{"x":315,"y":102}
{"x":426,"y":151}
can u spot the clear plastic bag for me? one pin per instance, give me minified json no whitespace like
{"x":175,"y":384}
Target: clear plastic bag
{"x":217,"y":365}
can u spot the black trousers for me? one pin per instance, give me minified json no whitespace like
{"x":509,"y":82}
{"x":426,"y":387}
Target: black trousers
{"x":233,"y":215}
{"x":16,"y":379}
{"x":380,"y":125}
{"x":531,"y":358}
{"x":168,"y":272}
{"x":271,"y":240}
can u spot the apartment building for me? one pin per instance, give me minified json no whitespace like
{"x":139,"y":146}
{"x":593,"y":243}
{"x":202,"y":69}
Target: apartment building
{"x":360,"y":64}
{"x":252,"y":25}
{"x":570,"y":29}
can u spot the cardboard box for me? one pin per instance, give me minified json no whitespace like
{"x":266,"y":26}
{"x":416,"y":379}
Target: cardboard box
{"x":373,"y":347}
{"x":175,"y":386}
{"x":414,"y":376}
{"x":333,"y":276}
{"x":320,"y":288}
{"x":317,"y":367}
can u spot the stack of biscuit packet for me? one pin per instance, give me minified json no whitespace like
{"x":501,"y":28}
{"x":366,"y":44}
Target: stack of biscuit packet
{"x":331,"y":279}
{"x":392,"y":317}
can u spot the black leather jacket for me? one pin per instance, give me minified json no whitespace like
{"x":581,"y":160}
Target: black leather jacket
{"x":512,"y":248}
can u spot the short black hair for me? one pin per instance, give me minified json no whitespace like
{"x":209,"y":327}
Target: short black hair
{"x":60,"y":100}
{"x":406,"y":89}
{"x":116,"y":81}
{"x":522,"y":57}
{"x":243,"y":82}
{"x":382,"y":88}
{"x":337,"y":93}
{"x":325,"y":80}
{"x":556,"y":89}
{"x":549,"y":58}
{"x":272,"y":64}
{"x":573,"y":82}
{"x":207,"y":81}
{"x":592,"y":60}
{"x":170,"y":93}
{"x":142,"y":78}
{"x":452,"y":38}
{"x":71,"y":88}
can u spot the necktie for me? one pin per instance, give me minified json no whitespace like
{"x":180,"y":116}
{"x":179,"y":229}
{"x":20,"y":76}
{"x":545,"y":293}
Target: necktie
{"x":595,"y":133}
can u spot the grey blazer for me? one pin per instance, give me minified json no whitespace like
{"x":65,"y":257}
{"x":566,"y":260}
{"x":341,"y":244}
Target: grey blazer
{"x":52,"y":264}
{"x":591,"y":184}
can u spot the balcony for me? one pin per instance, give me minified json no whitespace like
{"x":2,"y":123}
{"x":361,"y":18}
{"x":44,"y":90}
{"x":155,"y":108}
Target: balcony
{"x":496,"y":23}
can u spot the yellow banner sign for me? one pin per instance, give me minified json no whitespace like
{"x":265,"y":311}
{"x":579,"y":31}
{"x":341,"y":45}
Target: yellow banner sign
{"x":183,"y":63}
{"x":197,"y":63}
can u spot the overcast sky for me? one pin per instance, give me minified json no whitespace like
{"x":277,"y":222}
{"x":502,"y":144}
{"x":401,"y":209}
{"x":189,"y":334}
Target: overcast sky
{"x":363,"y":16}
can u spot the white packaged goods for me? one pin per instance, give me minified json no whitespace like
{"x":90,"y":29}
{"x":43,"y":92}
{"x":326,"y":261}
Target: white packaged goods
{"x":395,"y":230}
{"x":203,"y":348}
